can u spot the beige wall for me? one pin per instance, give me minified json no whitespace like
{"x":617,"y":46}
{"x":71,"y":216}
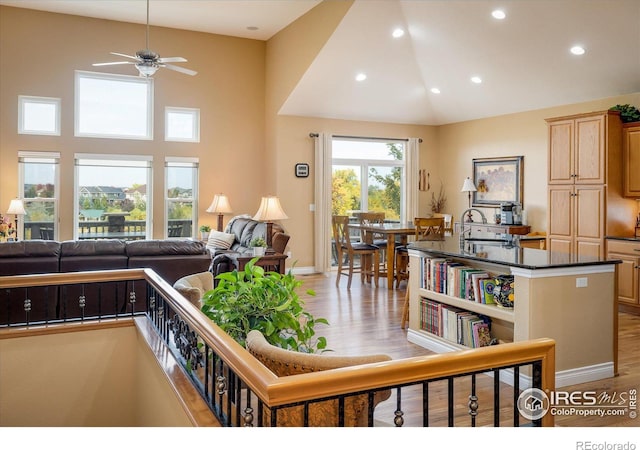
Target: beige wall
{"x":40,"y":52}
{"x":246,"y":149}
{"x":106,"y":376}
{"x":510,"y":135}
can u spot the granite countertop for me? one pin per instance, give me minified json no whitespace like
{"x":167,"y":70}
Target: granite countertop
{"x":625,"y":238}
{"x":497,"y":251}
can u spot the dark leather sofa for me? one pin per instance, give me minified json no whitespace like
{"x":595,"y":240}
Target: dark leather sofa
{"x":245,"y":230}
{"x":171,"y":259}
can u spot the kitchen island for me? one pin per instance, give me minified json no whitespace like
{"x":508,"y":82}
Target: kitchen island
{"x":573,"y":302}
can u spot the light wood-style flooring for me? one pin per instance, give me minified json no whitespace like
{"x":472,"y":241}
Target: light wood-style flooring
{"x":365,"y":320}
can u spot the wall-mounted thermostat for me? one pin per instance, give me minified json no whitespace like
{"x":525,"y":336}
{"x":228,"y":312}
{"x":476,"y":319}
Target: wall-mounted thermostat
{"x":302,"y":170}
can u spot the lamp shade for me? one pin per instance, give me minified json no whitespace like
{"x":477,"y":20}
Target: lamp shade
{"x":16,"y":207}
{"x":270,"y":210}
{"x":220,"y":205}
{"x":468,"y":186}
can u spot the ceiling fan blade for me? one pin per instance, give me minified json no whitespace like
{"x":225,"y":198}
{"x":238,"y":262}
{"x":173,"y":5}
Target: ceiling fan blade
{"x":180,"y":69}
{"x":125,"y":56}
{"x":113,"y":63}
{"x":172,"y":59}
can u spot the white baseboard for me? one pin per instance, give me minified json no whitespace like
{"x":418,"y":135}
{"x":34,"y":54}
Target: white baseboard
{"x":309,"y":270}
{"x":567,"y":377}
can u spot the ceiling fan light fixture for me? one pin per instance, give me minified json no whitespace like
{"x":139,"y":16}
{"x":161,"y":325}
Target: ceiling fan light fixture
{"x":146,"y":70}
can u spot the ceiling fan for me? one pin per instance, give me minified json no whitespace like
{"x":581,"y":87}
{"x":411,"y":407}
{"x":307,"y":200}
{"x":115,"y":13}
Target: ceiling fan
{"x":148,"y":62}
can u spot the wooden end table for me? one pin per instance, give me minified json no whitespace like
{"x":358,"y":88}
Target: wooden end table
{"x":274,"y":262}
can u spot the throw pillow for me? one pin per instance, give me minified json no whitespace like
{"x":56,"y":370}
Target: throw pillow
{"x":220,"y":240}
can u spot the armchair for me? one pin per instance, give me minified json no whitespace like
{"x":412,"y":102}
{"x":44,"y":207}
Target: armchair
{"x":322,"y":414}
{"x":193,"y":287}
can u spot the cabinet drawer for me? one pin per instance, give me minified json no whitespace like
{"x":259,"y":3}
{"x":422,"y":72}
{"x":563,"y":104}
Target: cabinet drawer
{"x":628,"y":247}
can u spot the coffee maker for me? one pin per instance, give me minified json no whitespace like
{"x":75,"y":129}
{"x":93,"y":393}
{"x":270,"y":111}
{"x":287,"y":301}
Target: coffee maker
{"x":510,"y":213}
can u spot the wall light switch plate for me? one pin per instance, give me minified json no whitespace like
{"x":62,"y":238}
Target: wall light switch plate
{"x":582,"y":282}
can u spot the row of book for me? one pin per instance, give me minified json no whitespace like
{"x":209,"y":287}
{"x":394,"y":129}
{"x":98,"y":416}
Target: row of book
{"x":458,"y":280}
{"x":455,"y":324}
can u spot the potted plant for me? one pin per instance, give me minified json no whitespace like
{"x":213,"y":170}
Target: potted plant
{"x":438,"y":202}
{"x":259,"y":245}
{"x":253,"y":299}
{"x":204,"y":231}
{"x":628,"y":113}
{"x":437,"y":206}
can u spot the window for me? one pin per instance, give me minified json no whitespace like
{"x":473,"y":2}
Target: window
{"x":181,"y":182}
{"x":368,"y":176}
{"x":38,"y":115}
{"x":182,"y":124}
{"x":113,"y":106}
{"x":39,"y":184}
{"x":113,"y":197}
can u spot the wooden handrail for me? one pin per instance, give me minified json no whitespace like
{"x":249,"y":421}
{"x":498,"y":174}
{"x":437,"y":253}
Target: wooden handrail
{"x":276,"y":391}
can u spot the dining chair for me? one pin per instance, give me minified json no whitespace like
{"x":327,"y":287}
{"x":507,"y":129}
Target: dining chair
{"x":348,"y":251}
{"x":379,"y":240}
{"x":427,"y":228}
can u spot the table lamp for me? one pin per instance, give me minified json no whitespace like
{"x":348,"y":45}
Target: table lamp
{"x":269,"y":211}
{"x":468,"y":187}
{"x":220,"y":205}
{"x":16,"y":207}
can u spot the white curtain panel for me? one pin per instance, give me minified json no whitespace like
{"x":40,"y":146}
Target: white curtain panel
{"x":322,"y":220}
{"x":411,"y":182}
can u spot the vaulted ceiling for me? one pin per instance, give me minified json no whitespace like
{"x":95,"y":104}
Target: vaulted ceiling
{"x":523,"y":60}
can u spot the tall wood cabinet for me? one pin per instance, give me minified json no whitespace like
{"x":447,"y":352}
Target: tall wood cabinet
{"x":585,"y":185}
{"x":631,"y":158}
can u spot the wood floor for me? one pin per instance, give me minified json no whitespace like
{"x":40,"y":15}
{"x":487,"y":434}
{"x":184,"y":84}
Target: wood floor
{"x":365,"y":320}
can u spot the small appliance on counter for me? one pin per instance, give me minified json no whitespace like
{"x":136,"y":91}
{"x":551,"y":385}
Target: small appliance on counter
{"x":510,"y":213}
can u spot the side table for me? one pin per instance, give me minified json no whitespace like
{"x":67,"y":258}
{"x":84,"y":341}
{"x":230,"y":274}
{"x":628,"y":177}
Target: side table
{"x":271,"y":263}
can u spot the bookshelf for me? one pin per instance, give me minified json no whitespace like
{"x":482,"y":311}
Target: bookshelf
{"x":573,"y":303}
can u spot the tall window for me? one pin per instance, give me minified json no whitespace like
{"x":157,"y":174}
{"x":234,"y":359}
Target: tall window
{"x":368,"y":176}
{"x":113,"y":106}
{"x":113,"y":196}
{"x":181,"y":182}
{"x":39,"y":184}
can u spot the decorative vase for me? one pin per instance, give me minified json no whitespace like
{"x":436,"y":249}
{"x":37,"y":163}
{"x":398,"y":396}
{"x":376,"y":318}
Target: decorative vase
{"x":204,"y":235}
{"x":258,"y":251}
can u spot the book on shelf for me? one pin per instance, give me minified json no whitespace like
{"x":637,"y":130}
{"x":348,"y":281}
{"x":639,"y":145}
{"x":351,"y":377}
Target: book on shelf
{"x":481,"y":334}
{"x":476,"y":278}
{"x":488,"y":288}
{"x":454,"y":324}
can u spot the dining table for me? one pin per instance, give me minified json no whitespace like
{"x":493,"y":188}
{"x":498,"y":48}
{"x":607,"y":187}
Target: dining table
{"x":395,"y":233}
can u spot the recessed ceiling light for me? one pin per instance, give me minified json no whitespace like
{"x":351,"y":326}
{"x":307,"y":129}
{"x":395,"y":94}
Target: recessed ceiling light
{"x":398,"y":32}
{"x":476,"y":80}
{"x":435,"y":90}
{"x":361,"y":77}
{"x":253,"y":28}
{"x":498,"y":14}
{"x":577,"y":50}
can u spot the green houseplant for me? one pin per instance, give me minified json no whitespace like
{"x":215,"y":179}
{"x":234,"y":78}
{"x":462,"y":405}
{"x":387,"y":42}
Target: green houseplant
{"x":253,"y":299}
{"x":628,"y":113}
{"x":259,"y":245}
{"x":204,"y":231}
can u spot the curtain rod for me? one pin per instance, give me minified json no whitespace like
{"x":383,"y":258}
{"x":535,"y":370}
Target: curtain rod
{"x":315,"y":135}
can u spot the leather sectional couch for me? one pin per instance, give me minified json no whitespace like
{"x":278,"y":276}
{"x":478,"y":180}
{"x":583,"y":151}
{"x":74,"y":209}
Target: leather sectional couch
{"x":171,"y":259}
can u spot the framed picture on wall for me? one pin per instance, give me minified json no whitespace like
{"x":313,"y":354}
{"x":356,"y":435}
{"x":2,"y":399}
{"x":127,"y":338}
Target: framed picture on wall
{"x":497,"y":180}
